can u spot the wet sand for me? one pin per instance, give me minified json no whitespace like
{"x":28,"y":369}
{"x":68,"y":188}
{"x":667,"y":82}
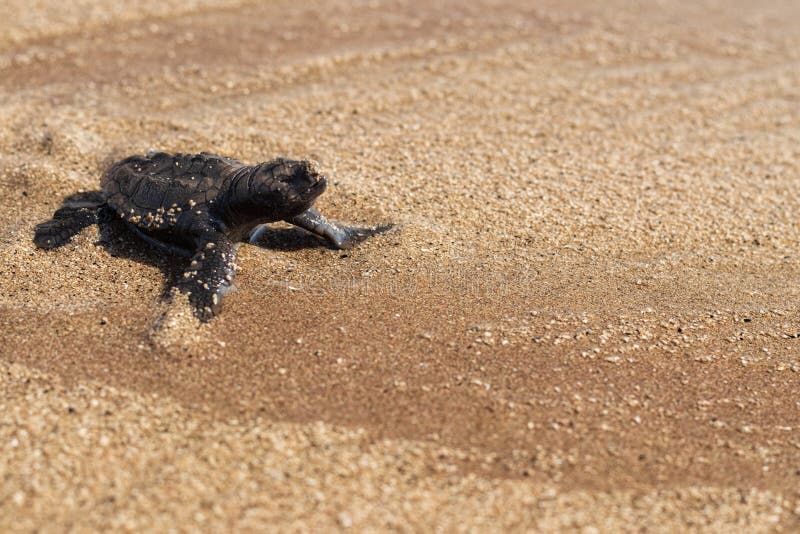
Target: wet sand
{"x":584,"y":318}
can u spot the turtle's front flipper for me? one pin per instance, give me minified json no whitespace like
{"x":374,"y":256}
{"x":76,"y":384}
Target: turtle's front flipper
{"x":339,"y":236}
{"x":209,"y":274}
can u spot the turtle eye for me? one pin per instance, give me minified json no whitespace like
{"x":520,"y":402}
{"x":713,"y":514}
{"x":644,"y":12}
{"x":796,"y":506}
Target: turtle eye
{"x":299,"y":178}
{"x":299,"y":182}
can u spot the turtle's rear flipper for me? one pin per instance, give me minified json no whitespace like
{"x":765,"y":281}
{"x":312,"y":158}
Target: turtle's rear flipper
{"x":77,"y":212}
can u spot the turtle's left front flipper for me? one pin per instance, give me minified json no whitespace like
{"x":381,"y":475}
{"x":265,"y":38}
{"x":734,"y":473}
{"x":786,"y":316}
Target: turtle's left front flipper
{"x":339,"y":236}
{"x":210,"y":273}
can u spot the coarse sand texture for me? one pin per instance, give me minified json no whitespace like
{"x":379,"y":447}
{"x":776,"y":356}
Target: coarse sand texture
{"x":585,"y":317}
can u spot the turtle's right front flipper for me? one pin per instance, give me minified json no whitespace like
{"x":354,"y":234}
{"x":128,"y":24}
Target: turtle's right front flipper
{"x":313,"y":221}
{"x":78,"y":212}
{"x":341,"y":237}
{"x":209,"y":274}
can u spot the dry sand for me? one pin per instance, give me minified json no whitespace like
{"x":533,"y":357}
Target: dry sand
{"x":586,"y":317}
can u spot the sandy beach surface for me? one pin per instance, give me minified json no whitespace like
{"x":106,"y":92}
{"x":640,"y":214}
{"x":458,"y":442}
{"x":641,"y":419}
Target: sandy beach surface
{"x":585,"y":317}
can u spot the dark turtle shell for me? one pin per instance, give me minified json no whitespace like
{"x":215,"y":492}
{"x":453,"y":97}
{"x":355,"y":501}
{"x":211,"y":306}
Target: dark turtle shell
{"x":151,"y":191}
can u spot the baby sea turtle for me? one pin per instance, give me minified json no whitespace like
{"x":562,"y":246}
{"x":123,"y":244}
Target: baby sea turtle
{"x":200,"y":206}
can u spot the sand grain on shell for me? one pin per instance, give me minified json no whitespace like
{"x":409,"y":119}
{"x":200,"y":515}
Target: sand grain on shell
{"x":585,"y":316}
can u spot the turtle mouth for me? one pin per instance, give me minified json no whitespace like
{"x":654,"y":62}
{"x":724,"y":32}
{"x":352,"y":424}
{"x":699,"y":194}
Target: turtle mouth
{"x":319,"y":186}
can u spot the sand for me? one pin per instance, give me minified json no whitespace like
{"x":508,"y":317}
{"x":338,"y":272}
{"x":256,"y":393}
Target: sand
{"x":585,"y":317}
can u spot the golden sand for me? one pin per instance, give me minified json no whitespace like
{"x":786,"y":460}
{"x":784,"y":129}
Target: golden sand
{"x":584,"y":319}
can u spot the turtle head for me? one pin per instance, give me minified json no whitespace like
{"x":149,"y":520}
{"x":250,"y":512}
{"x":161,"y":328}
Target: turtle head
{"x":283,"y":188}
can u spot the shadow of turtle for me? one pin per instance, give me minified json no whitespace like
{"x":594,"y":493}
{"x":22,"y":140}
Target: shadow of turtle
{"x":80,"y":210}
